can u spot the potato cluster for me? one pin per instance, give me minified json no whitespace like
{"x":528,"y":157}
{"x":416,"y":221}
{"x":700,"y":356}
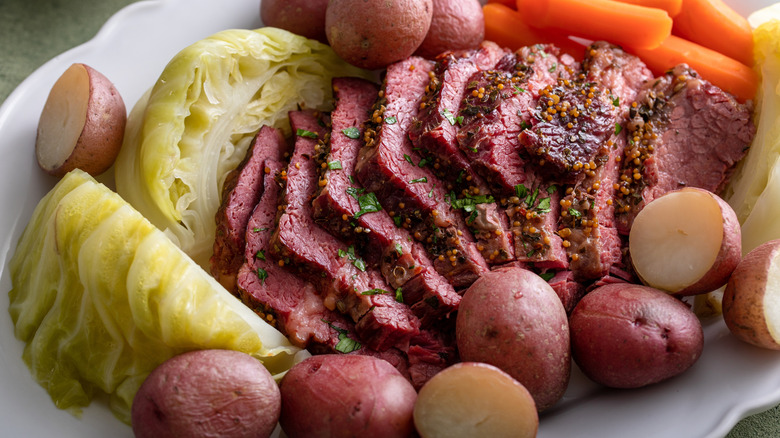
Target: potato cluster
{"x":373,"y":35}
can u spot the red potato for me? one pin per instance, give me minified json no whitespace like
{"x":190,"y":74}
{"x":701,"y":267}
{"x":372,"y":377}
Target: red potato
{"x":334,"y":395}
{"x":751,"y":301}
{"x":206,"y":393}
{"x":455,"y":25}
{"x":301,"y":17}
{"x":473,"y":399}
{"x":513,"y":319}
{"x":82,"y":123}
{"x":686,"y":242}
{"x":375,"y":34}
{"x":629,"y":336}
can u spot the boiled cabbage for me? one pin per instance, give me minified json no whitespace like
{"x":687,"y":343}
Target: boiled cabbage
{"x":101,"y":297}
{"x":196,"y":124}
{"x":754,"y":190}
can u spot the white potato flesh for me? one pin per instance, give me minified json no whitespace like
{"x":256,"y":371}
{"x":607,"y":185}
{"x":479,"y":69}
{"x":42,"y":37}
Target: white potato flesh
{"x":472,"y":399}
{"x":772,"y":298}
{"x":676,"y":239}
{"x":63,"y":118}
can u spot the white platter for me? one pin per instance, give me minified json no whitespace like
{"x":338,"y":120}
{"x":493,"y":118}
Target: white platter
{"x":730,"y":381}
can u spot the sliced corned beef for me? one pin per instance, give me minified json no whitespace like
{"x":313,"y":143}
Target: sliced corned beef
{"x":389,"y":167}
{"x":312,"y":251}
{"x":285,"y":300}
{"x":241,"y":191}
{"x":567,"y":288}
{"x":685,"y":132}
{"x":587,"y":210}
{"x":499,"y":104}
{"x":430,"y":352}
{"x":434,"y":133}
{"x":337,"y":207}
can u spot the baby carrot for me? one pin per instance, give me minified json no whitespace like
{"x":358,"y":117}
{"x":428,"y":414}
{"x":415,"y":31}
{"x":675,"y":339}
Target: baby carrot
{"x":672,"y":7}
{"x":728,"y":74}
{"x":715,"y":25}
{"x":508,"y":3}
{"x":505,"y":27}
{"x":620,"y":23}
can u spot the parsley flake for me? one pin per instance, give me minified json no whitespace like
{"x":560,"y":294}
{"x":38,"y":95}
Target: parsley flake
{"x":334,"y":165}
{"x":351,"y":132}
{"x":304,"y":133}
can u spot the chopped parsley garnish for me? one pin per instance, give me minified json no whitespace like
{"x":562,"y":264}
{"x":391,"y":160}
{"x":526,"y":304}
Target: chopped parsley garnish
{"x":350,"y":255}
{"x":615,"y":101}
{"x":618,"y":128}
{"x":524,"y":125}
{"x":398,"y":295}
{"x":262,"y":274}
{"x":304,"y":133}
{"x":351,"y":132}
{"x":544,"y":206}
{"x":521,"y":191}
{"x":574,"y":212}
{"x":451,"y":117}
{"x":390,"y":120}
{"x":399,"y":249}
{"x":553,"y":67}
{"x":408,"y":159}
{"x":260,"y":255}
{"x":397,"y":220}
{"x":518,"y":89}
{"x":368,"y":203}
{"x":469,"y":204}
{"x":422,"y":162}
{"x":345,"y":344}
{"x":419,"y":180}
{"x":257,"y":229}
{"x":334,"y":165}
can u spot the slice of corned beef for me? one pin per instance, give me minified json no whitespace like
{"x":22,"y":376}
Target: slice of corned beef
{"x":389,"y":167}
{"x":337,"y":207}
{"x":499,"y":104}
{"x":567,"y":288}
{"x":685,"y":132}
{"x":241,"y":191}
{"x":285,"y":300}
{"x":312,"y":251}
{"x":587,"y":210}
{"x":434,"y":133}
{"x":431,"y":351}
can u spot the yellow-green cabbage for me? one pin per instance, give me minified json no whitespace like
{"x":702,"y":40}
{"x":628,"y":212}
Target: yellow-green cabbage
{"x":754,"y":190}
{"x":198,"y":120}
{"x":101,"y":297}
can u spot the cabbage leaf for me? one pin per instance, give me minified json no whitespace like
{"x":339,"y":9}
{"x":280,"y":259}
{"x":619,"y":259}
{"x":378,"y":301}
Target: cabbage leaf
{"x":198,"y":120}
{"x":754,"y":189}
{"x":101,"y":297}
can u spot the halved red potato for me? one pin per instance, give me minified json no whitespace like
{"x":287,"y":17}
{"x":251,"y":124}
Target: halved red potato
{"x":686,"y":242}
{"x":471,"y":399}
{"x":751,"y":301}
{"x":82,"y":123}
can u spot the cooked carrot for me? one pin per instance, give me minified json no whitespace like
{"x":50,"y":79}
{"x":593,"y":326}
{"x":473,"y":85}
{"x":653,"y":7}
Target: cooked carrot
{"x":505,"y":27}
{"x":715,"y":25}
{"x":613,"y":21}
{"x":508,"y":3}
{"x":672,"y":7}
{"x":728,"y":74}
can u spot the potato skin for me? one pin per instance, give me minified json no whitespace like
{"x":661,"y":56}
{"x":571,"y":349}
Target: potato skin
{"x":375,"y":34}
{"x":743,"y":299}
{"x":730,"y":251}
{"x":204,"y":392}
{"x":334,"y":395}
{"x":629,"y":336}
{"x":301,"y":17}
{"x":455,"y":25}
{"x":512,"y":319}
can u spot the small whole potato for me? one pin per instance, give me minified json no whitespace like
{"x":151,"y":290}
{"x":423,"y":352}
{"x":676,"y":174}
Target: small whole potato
{"x":301,"y":17}
{"x":627,"y":335}
{"x":82,"y":124}
{"x":206,"y":393}
{"x":335,"y":395}
{"x":455,"y":25}
{"x":750,"y":301}
{"x":375,"y":34}
{"x":473,"y":399}
{"x":512,"y":319}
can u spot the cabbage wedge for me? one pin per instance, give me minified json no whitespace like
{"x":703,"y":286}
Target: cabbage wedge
{"x":754,"y":189}
{"x":101,"y":297}
{"x":196,"y":123}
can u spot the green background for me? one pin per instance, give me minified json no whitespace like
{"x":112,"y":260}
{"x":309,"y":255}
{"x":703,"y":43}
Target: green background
{"x":34,"y":31}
